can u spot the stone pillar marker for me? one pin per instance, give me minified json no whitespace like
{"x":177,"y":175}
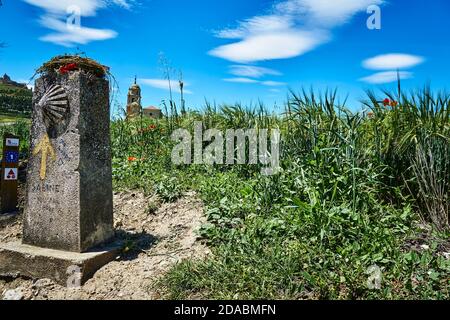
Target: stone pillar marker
{"x":69,"y":190}
{"x":68,"y":205}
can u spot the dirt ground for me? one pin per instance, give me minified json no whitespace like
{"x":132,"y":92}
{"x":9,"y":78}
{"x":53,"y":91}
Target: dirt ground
{"x":157,"y":236}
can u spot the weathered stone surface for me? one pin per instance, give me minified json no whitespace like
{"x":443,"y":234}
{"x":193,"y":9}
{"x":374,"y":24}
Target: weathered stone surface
{"x":39,"y":263}
{"x":69,"y":205}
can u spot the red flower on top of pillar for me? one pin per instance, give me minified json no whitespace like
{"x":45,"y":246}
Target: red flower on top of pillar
{"x":68,"y":67}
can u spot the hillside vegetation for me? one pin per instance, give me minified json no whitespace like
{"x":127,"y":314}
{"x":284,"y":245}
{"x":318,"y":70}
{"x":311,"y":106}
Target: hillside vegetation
{"x":15,"y":100}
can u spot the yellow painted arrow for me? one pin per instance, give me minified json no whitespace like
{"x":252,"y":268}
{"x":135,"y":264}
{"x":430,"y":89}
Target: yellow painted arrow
{"x":45,"y":147}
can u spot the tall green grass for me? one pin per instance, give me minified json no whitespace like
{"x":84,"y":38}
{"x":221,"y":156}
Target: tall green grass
{"x":353,"y":188}
{"x":413,"y":141}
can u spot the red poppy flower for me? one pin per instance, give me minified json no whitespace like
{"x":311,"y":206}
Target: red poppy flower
{"x":394,"y":104}
{"x":131,"y":159}
{"x":147,"y":129}
{"x":68,"y":67}
{"x":386,"y":102}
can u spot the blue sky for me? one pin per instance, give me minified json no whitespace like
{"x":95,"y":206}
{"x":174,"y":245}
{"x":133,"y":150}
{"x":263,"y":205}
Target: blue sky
{"x":237,"y":51}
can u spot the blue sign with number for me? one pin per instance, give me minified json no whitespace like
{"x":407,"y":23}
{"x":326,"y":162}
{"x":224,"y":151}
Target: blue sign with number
{"x":12,"y":157}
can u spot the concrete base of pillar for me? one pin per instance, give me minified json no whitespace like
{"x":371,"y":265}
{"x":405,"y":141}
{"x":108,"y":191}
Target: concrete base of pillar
{"x":66,"y":268}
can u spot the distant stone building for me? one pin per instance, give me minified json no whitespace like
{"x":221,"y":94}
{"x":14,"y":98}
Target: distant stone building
{"x":134,"y":105}
{"x":152,"y":112}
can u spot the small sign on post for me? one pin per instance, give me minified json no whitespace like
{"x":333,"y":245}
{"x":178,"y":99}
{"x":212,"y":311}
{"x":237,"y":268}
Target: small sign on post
{"x":10,"y":174}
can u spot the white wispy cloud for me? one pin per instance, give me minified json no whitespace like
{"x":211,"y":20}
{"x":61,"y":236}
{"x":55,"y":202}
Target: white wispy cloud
{"x":164,"y":85}
{"x":257,"y":25}
{"x":390,"y":62}
{"x":241,"y":80}
{"x":386,"y":77}
{"x":292,"y":28}
{"x":249,"y":80}
{"x":124,"y":3}
{"x":275,"y":45}
{"x":87,"y":7}
{"x":325,"y":13}
{"x":252,"y":71}
{"x":55,"y":15}
{"x":69,"y":36}
{"x":393,"y":61}
{"x":273,"y":83}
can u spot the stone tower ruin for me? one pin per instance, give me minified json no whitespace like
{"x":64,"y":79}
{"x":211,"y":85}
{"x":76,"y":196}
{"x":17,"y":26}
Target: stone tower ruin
{"x":134,"y":106}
